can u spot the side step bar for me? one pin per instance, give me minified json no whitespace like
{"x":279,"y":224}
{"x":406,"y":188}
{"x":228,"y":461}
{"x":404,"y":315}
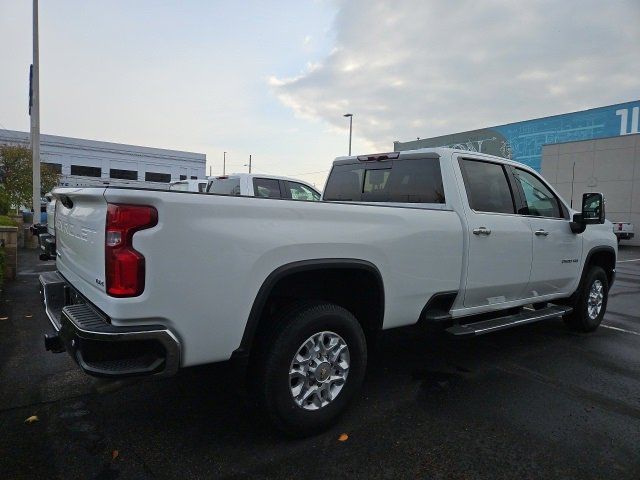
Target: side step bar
{"x":500,"y":323}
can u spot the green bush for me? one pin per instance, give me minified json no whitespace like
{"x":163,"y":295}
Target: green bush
{"x":7,"y":222}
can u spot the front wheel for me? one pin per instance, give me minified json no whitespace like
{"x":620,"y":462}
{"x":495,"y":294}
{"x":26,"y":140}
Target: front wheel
{"x":590,"y":303}
{"x":310,"y":368}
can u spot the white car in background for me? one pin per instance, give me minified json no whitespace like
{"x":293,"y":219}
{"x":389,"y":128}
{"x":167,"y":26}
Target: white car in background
{"x":266,"y":186}
{"x":197,"y":185}
{"x":623,"y":230}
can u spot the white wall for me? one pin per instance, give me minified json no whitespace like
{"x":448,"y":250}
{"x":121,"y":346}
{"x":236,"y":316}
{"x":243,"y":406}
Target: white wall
{"x":106,"y":155}
{"x":608,"y":165}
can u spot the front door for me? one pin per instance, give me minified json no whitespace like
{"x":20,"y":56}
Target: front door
{"x":556,"y":249}
{"x":500,"y":241}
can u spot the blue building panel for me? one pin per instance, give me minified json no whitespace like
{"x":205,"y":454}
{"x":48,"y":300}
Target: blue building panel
{"x":523,"y":141}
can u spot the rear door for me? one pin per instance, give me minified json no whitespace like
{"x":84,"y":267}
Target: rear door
{"x":80,"y":225}
{"x":556,"y":249}
{"x":499,"y":240}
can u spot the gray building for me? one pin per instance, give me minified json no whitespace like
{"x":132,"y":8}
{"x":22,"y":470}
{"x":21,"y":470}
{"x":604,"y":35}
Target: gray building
{"x":607,"y":165}
{"x":77,"y":159}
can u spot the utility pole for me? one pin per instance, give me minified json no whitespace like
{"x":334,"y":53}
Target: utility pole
{"x":224,"y":162}
{"x":35,"y":117}
{"x":350,"y":116}
{"x":249,"y":163}
{"x":573,"y":177}
{"x":209,"y":170}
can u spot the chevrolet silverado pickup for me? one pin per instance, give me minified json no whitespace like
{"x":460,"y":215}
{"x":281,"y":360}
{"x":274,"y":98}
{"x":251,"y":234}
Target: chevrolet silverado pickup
{"x":301,"y":289}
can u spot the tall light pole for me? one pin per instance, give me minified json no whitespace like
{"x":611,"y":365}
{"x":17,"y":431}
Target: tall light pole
{"x":35,"y":117}
{"x":224,"y":162}
{"x":350,"y":115}
{"x":249,"y":163}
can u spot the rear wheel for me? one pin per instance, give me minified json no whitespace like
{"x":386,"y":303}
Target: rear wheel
{"x":591,"y":302}
{"x":311,"y":367}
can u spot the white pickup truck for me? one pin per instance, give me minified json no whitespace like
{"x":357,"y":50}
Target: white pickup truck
{"x":259,"y":185}
{"x":302,"y":288}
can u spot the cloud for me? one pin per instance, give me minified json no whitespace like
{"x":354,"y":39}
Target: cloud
{"x":422,"y":68}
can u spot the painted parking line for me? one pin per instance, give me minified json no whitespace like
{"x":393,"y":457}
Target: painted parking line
{"x":632,"y":260}
{"x":621,"y":329}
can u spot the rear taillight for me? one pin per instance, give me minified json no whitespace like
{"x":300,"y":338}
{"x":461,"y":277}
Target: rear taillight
{"x":124,"y":266}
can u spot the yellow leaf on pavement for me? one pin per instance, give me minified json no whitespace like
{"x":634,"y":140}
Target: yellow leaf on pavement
{"x":343,"y":437}
{"x":31,"y":419}
{"x":114,"y":454}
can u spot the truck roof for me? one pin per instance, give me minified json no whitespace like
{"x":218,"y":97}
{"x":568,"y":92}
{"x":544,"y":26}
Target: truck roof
{"x":432,"y":152}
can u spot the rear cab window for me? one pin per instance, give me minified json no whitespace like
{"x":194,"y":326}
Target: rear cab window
{"x":395,"y":181}
{"x":224,"y":186}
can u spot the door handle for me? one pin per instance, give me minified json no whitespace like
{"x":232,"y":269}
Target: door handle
{"x":542,"y":233}
{"x":481,"y":231}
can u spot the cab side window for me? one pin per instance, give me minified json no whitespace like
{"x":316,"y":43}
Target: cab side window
{"x":540,"y":201}
{"x":298,"y":191}
{"x":487,"y":186}
{"x":266,"y":187}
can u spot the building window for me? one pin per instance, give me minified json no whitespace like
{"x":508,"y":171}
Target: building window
{"x":157,"y":177}
{"x":183,"y":177}
{"x":85,"y":171}
{"x":123,"y":174}
{"x":194,"y":177}
{"x":56,"y":167}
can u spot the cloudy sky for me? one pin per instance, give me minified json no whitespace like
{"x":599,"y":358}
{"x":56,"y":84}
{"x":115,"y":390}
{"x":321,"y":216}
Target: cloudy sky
{"x":274,"y":78}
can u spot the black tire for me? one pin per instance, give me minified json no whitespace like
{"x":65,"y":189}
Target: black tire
{"x":580,"y":320}
{"x":270,"y":376}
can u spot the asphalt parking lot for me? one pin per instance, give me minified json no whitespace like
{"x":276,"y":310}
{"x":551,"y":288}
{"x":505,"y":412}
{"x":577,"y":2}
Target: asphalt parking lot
{"x":533,"y":402}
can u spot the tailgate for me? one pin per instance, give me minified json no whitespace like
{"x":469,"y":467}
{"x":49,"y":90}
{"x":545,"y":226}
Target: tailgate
{"x":80,"y":225}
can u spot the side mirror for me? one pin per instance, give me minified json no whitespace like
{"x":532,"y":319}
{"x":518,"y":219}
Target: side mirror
{"x":592,"y":208}
{"x":592,"y":212}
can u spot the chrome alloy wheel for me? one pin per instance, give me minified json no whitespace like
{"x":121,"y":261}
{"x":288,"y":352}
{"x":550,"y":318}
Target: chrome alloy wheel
{"x":595,"y":299}
{"x":319,"y":370}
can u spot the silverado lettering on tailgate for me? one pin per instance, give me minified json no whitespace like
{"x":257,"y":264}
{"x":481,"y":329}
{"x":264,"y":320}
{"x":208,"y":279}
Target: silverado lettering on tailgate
{"x":68,"y":228}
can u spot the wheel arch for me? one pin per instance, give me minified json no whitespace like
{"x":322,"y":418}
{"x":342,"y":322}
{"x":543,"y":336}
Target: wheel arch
{"x":604,"y":257}
{"x":298,"y":275}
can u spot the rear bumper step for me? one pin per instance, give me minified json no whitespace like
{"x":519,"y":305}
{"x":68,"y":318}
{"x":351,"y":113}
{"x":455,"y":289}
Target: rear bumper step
{"x":501,"y":323}
{"x":100,"y":348}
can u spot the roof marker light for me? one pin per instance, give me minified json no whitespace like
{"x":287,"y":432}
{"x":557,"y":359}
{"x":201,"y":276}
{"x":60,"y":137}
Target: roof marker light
{"x":376,"y":157}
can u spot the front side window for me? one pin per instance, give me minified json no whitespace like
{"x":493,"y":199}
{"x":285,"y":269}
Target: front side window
{"x":540,"y":201}
{"x":487,"y":186}
{"x":266,"y":188}
{"x":298,"y":191}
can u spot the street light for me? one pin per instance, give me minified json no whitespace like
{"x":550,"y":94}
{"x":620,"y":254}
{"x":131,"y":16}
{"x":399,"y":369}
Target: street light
{"x":224,"y":162}
{"x":350,"y":115}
